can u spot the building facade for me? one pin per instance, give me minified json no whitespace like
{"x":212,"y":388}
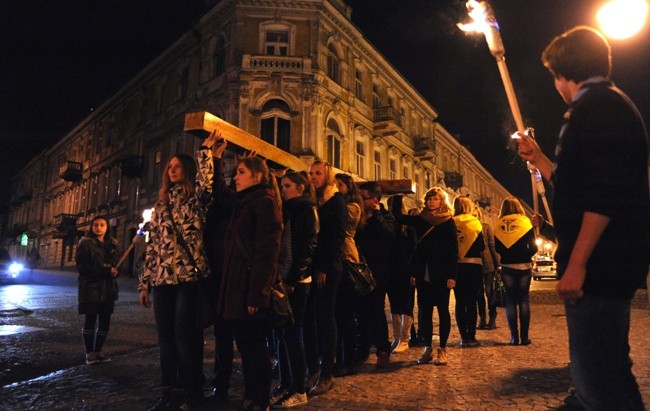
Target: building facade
{"x":298,"y":74}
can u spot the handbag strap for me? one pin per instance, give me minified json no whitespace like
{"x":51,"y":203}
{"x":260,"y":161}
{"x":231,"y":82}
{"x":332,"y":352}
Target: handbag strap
{"x":426,"y":233}
{"x":180,"y":239}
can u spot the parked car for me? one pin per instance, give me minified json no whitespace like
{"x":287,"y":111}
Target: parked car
{"x":544,"y":268}
{"x":10,"y":271}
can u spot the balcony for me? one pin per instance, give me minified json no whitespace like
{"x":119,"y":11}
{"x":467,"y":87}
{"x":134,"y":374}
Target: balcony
{"x":132,"y":166}
{"x":424,"y":147}
{"x":484,"y":201}
{"x":66,"y":222}
{"x":387,"y":119}
{"x":72,"y":171}
{"x":276,"y":64}
{"x":453,"y":180}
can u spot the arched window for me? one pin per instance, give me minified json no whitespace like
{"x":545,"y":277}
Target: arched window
{"x":333,"y":69}
{"x":333,"y":144}
{"x":276,"y":124}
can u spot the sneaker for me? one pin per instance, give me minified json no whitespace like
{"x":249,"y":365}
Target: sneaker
{"x":102,"y":358}
{"x":291,"y":400}
{"x":91,"y":358}
{"x":322,"y":386}
{"x":277,"y":394}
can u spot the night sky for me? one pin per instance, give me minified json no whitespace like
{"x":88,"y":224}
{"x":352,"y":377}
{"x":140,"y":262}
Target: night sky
{"x":62,"y":58}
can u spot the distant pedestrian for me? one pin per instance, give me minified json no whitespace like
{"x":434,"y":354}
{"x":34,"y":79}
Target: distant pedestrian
{"x":96,"y":257}
{"x":515,"y":243}
{"x":601,"y":210}
{"x":33,"y":259}
{"x":175,"y":262}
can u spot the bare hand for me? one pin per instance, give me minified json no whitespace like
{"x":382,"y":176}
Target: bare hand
{"x":451,"y":283}
{"x":412,"y":281}
{"x":252,"y":310}
{"x":279,"y":173}
{"x":569,"y":288}
{"x":537,"y":220}
{"x":321,"y":278}
{"x":528,"y":148}
{"x":144,"y":299}
{"x":114,"y":272}
{"x":211,"y":139}
{"x":219,"y":147}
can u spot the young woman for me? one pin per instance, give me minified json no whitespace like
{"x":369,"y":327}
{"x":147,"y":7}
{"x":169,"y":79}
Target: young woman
{"x":251,"y":249}
{"x":174,"y":263}
{"x":515,"y":243}
{"x":96,"y":257}
{"x":295,"y":266}
{"x":434,"y":266}
{"x":346,"y":297}
{"x":470,"y":269}
{"x":320,"y":324}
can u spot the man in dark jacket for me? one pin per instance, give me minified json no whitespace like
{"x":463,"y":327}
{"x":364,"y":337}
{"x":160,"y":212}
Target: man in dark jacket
{"x":601,"y":212}
{"x":375,"y":241}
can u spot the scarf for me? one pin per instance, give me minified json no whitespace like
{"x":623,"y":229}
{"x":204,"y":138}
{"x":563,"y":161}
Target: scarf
{"x":435,"y":219}
{"x":510,"y":228}
{"x":328,"y":192}
{"x":467,"y":228}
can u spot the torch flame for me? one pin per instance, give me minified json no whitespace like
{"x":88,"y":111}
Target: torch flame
{"x":483,"y":21}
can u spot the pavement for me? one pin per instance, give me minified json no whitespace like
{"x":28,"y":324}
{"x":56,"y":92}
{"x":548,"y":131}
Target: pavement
{"x":494,"y":376}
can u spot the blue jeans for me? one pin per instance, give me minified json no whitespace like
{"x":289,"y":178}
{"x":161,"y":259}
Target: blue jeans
{"x":180,"y":340}
{"x":517,"y":283}
{"x":601,"y":368}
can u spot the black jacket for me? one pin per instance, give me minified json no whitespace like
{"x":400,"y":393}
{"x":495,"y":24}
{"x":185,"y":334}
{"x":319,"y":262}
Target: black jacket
{"x":300,"y":217}
{"x":376,"y":241}
{"x":94,"y":261}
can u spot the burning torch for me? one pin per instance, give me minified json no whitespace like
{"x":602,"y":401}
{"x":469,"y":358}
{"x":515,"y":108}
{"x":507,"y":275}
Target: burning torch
{"x":140,"y":236}
{"x":483,"y":21}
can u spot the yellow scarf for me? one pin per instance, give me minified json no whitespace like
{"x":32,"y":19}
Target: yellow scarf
{"x":510,"y":228}
{"x":468,"y":228}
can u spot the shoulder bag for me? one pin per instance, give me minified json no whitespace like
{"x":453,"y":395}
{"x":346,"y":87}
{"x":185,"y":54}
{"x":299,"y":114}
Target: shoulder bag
{"x":361,"y":276}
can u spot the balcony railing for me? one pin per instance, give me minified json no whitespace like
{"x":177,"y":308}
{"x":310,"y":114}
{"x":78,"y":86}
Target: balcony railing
{"x":72,"y":171}
{"x":281,"y":64}
{"x":66,"y":222}
{"x":424,"y":147}
{"x":453,"y":179}
{"x":388,"y":114}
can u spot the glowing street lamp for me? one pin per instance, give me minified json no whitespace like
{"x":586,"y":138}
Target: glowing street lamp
{"x":622,"y":19}
{"x":141,"y":236}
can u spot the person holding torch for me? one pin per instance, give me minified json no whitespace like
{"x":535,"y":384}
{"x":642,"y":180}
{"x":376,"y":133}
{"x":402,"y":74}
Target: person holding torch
{"x":601,"y":209}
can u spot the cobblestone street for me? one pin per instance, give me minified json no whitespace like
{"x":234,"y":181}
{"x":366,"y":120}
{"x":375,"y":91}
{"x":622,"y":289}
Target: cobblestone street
{"x":494,"y":376}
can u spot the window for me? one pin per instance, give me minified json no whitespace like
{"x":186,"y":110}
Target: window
{"x":333,"y":144}
{"x":361,"y":159}
{"x":377,"y":164}
{"x":427,"y":180}
{"x":333,"y":70}
{"x":376,"y":98}
{"x":277,"y":43}
{"x":390,"y":102}
{"x":358,"y":79}
{"x":405,"y":172}
{"x":219,"y":57}
{"x":392,"y":169}
{"x":276,"y":124}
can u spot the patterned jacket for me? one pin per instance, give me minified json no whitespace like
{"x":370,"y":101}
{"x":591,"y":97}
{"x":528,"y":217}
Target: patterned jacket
{"x":166,"y":262}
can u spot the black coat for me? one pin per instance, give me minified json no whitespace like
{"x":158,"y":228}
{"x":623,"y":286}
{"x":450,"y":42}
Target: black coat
{"x":96,"y":284}
{"x":300,"y":216}
{"x":376,"y":241}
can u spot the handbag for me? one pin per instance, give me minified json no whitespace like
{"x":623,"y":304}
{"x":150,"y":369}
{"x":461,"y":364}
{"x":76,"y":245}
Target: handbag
{"x":498,"y":291}
{"x":280,"y":311}
{"x":204,"y":298}
{"x":361,"y":276}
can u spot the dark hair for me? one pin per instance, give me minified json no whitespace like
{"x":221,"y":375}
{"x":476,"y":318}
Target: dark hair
{"x":463,"y":205}
{"x":90,"y":232}
{"x":578,"y":54}
{"x":300,"y":179}
{"x":258,"y":165}
{"x":188,"y":184}
{"x":511,"y":205}
{"x":373,"y":188}
{"x":353,"y":195}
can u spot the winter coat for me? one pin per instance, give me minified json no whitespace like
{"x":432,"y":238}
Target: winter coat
{"x":166,"y":262}
{"x":96,"y":283}
{"x":332,"y":215}
{"x":301,"y":219}
{"x":376,"y":240}
{"x":251,"y":249}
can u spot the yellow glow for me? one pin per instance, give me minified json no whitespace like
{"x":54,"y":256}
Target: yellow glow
{"x":621,"y":19}
{"x":478,"y":13}
{"x":146,"y":215}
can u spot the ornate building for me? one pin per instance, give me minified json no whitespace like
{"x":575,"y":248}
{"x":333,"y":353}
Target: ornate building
{"x":298,"y":74}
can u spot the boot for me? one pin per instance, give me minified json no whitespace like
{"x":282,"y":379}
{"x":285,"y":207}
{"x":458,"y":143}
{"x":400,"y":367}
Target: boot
{"x":397,"y":328}
{"x":442,"y":356}
{"x":403,"y":345}
{"x":492,"y":324}
{"x":426,"y":356}
{"x":482,"y":325}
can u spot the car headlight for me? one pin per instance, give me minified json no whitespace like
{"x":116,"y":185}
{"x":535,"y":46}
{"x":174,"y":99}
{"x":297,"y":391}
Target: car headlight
{"x":16,"y":268}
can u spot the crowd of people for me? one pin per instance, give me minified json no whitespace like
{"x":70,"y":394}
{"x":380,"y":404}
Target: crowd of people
{"x":235,"y":240}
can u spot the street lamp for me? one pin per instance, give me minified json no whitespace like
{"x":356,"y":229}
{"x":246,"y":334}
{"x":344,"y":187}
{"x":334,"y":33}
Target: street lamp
{"x":622,"y":19}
